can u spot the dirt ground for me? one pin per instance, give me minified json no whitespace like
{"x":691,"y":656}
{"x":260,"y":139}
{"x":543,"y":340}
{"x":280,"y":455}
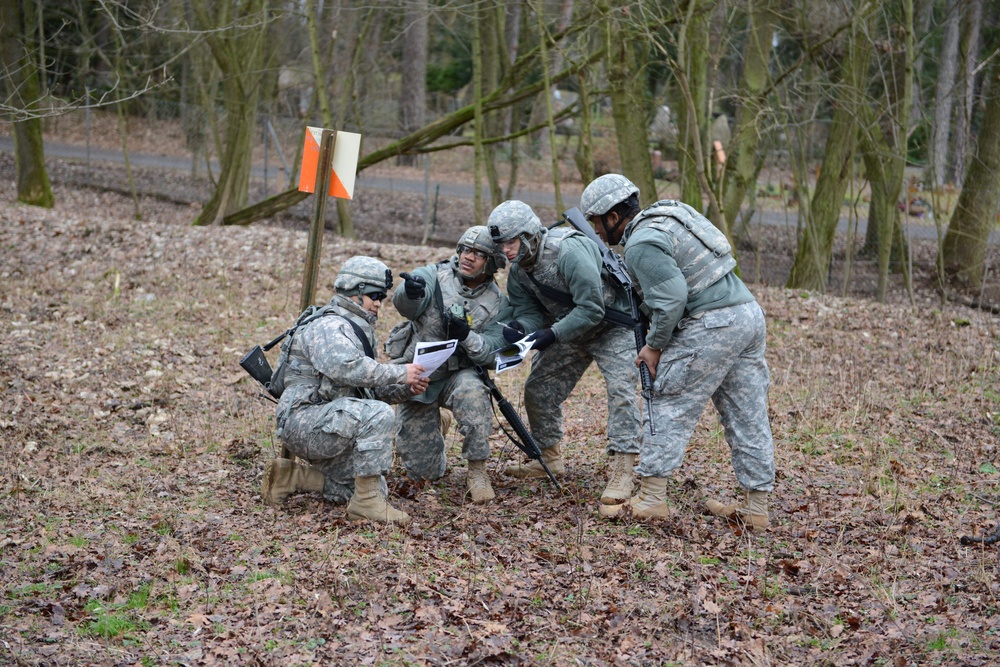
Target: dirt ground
{"x":131,"y":452}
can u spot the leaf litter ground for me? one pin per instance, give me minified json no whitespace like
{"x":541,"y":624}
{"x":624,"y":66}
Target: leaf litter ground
{"x":133,"y":446}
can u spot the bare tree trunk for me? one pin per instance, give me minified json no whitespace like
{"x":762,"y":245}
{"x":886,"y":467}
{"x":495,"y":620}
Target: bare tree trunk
{"x":478,"y":130}
{"x":968,"y":61}
{"x":543,"y":38}
{"x":944,"y":94}
{"x":883,"y":141}
{"x":413,"y":87}
{"x":812,"y":258}
{"x":628,"y":101}
{"x":239,"y":53}
{"x":22,"y":88}
{"x":494,"y":64}
{"x":585,"y":151}
{"x":692,"y":115}
{"x":743,"y":162}
{"x":965,"y":242}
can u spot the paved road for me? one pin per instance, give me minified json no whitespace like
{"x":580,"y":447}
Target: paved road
{"x":571,"y":195}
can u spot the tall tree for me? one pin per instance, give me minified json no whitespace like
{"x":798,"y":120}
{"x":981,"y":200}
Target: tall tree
{"x":744,"y":163}
{"x":236,"y":33}
{"x":964,"y":247}
{"x":944,"y":94}
{"x":812,"y":258}
{"x":24,"y":94}
{"x":624,"y":64}
{"x":690,"y":102}
{"x":968,"y":48}
{"x":413,"y":86}
{"x":884,"y":140}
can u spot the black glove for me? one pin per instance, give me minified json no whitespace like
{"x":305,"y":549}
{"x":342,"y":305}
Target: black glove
{"x":456,"y":327}
{"x":413,"y":286}
{"x":513,"y":332}
{"x":542,"y":339}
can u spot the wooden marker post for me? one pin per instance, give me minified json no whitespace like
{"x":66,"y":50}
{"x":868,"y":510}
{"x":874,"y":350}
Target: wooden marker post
{"x":323,"y":169}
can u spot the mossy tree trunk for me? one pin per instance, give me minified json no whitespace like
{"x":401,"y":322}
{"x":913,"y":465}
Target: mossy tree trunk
{"x":236,"y":34}
{"x":744,"y":163}
{"x":964,"y":247}
{"x":24,"y":93}
{"x":624,"y":65}
{"x":810,"y":268}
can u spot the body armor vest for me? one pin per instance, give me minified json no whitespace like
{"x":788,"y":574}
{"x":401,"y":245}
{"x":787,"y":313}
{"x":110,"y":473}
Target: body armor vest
{"x":482,"y":304}
{"x":546,"y":273}
{"x":702,"y":252}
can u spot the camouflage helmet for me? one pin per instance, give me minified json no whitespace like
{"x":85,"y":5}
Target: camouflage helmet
{"x":363,"y":275}
{"x":604,"y":193}
{"x":478,"y":238}
{"x":513,"y":218}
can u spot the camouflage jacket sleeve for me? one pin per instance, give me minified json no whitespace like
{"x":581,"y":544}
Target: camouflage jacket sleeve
{"x":334,"y":350}
{"x":650,"y":257}
{"x":580,"y":265}
{"x":412,"y":309}
{"x":393,"y":393}
{"x":480,"y":346}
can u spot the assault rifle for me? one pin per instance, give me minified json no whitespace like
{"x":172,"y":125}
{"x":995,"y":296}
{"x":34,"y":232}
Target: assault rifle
{"x":616,"y":269}
{"x":255,"y":363}
{"x":525,"y":442}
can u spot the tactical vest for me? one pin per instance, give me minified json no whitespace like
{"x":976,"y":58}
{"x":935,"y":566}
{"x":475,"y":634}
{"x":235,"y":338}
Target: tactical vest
{"x":554,"y":295}
{"x":297,"y":370}
{"x":702,"y":252}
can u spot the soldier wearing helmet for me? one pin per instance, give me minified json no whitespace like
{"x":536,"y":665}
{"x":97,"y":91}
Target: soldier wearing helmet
{"x":706,"y":340}
{"x":558,"y":294}
{"x":454,"y":299}
{"x":331,"y":411}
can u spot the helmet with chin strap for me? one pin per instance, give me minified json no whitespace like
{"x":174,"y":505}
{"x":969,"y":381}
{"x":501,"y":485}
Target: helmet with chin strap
{"x":363,"y":275}
{"x":478,"y":238}
{"x":515,"y":219}
{"x":604,"y":193}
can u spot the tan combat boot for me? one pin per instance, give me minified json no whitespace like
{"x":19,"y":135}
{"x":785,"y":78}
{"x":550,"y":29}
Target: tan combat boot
{"x":478,"y":483}
{"x":751,"y":512}
{"x":651,"y":501}
{"x":553,"y":459}
{"x":369,"y":503}
{"x":283,"y":477}
{"x":620,"y":484}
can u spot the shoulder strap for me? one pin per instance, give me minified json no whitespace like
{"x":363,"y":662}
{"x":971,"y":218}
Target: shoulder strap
{"x":562,"y":298}
{"x":362,"y":337}
{"x":611,"y":315}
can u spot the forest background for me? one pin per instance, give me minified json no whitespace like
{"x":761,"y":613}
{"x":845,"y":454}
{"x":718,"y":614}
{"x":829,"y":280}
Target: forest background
{"x":133,"y":450}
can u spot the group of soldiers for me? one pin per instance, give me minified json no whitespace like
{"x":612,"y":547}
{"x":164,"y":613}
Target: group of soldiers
{"x":706,"y":340}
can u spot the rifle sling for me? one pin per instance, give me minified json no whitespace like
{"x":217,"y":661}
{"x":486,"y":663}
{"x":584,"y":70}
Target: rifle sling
{"x":611,"y":315}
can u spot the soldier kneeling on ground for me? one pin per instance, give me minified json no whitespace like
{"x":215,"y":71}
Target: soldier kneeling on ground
{"x":333,"y":409}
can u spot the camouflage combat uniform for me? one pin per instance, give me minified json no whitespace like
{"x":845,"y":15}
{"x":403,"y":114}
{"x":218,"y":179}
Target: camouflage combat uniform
{"x":455,"y":385}
{"x":569,"y":263}
{"x":332,"y":412}
{"x":711,"y":332}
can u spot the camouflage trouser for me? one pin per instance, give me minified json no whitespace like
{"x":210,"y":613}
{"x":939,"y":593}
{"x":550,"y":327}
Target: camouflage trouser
{"x":418,"y":426}
{"x":556,"y":371}
{"x":719,"y":355}
{"x":345,"y":438}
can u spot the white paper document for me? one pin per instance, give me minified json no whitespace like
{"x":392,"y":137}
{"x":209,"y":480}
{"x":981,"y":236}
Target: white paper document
{"x":512,"y":356}
{"x":431,"y":354}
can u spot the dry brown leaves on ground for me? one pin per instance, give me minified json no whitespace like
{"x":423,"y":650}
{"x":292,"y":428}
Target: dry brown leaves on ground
{"x":133,"y":445}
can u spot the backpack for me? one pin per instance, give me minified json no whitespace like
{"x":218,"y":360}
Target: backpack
{"x":401,"y":342}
